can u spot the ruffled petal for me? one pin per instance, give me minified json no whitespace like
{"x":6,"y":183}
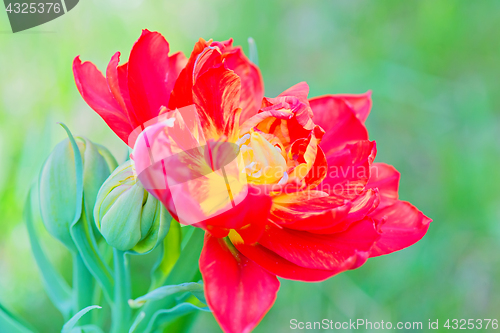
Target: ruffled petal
{"x":95,"y":91}
{"x":148,"y":76}
{"x":361,"y":104}
{"x":385,"y":178}
{"x":252,"y":85}
{"x":328,"y":252}
{"x":238,"y":291}
{"x":339,"y":121}
{"x":349,"y":170}
{"x":216,"y":94}
{"x":402,"y":225}
{"x":281,"y":267}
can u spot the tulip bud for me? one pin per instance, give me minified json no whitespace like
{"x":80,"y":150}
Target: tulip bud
{"x":57,"y":184}
{"x":129,"y":217}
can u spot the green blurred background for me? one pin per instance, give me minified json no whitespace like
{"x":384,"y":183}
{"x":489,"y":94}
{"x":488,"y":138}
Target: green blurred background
{"x":433,"y":67}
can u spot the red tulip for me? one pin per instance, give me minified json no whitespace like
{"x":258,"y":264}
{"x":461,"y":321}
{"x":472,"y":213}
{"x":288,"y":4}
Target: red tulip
{"x":312,"y":204}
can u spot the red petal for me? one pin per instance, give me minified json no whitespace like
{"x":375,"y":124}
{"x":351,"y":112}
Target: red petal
{"x":300,"y":90}
{"x":95,"y":91}
{"x":217,"y":94}
{"x":349,"y":170}
{"x":238,"y":291}
{"x":148,"y":76}
{"x":361,"y":104}
{"x":202,"y":57}
{"x":403,"y":225}
{"x":280,"y":266}
{"x":329,"y":252}
{"x":252,"y":85}
{"x":339,"y":121}
{"x":386,"y":178}
{"x":357,"y":209}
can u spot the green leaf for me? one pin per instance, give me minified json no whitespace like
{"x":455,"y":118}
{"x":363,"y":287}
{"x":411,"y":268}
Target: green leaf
{"x":165,"y":291}
{"x":253,"y":55}
{"x":85,"y":242}
{"x":81,"y":230}
{"x":171,"y":250}
{"x":184,"y":271}
{"x":162,"y":317}
{"x":9,"y":323}
{"x":56,"y":287}
{"x":87,"y":329}
{"x":70,"y":324}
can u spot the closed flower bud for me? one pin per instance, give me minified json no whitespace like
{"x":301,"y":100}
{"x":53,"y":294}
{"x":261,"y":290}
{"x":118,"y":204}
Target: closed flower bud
{"x":57,"y":184}
{"x":129,"y":217}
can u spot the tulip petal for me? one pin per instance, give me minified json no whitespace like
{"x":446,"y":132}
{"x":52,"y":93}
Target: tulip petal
{"x":329,"y":252}
{"x":280,"y":266}
{"x":148,"y":76}
{"x":386,"y":178}
{"x":402,"y":225}
{"x":252,"y":85}
{"x":339,"y":121}
{"x":361,"y":104}
{"x":237,"y":290}
{"x":349,"y":170}
{"x":95,"y":91}
{"x":217,"y":94}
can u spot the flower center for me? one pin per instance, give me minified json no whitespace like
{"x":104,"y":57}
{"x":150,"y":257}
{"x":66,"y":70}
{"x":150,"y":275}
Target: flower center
{"x":264,"y":162}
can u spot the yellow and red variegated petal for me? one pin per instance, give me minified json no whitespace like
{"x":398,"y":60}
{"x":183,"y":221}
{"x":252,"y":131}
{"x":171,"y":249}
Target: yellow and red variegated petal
{"x":252,"y":211}
{"x":359,"y":208}
{"x":216,"y":94}
{"x":308,"y":160}
{"x":329,"y":252}
{"x":386,"y":178}
{"x":95,"y":91}
{"x":149,"y":82}
{"x":203,"y":57}
{"x":361,"y":104}
{"x":252,"y":85}
{"x":238,"y":291}
{"x":349,"y":170}
{"x":339,"y":121}
{"x":282,"y":267}
{"x":402,"y":225}
{"x":290,"y":207}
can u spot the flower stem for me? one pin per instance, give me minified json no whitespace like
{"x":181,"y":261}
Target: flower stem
{"x":82,"y":287}
{"x":121,"y":312}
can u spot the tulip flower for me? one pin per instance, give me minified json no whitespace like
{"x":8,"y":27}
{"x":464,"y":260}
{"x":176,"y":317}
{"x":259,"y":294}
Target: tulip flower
{"x":57,"y":184}
{"x":128,"y":217}
{"x":315,"y":203}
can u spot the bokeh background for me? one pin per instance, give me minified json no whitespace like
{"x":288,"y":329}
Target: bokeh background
{"x":433,"y":67}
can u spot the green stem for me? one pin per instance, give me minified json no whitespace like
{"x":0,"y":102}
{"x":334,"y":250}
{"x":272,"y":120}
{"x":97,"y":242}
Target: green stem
{"x":121,"y":312}
{"x":184,"y":271}
{"x":82,"y":287}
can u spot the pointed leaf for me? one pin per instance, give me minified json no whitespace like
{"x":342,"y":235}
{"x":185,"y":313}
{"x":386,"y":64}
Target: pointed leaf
{"x":164,"y":316}
{"x":56,"y":287}
{"x":165,"y":291}
{"x":70,"y":324}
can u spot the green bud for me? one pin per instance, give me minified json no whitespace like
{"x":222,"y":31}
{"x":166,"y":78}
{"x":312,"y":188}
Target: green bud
{"x":129,"y":217}
{"x":57,"y":184}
